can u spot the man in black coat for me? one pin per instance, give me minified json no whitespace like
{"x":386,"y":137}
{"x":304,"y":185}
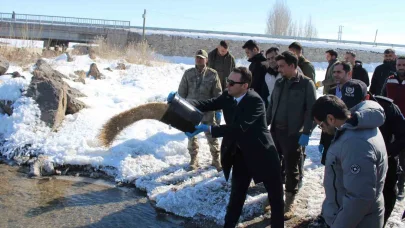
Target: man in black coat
{"x":393,"y":132}
{"x":247,"y":146}
{"x":258,"y":70}
{"x":382,"y":72}
{"x":358,"y":71}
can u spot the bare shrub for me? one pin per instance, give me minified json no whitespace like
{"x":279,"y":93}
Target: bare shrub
{"x":137,"y":53}
{"x":25,"y":51}
{"x":20,"y":56}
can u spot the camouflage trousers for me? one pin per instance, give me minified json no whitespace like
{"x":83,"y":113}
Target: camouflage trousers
{"x":212,"y":142}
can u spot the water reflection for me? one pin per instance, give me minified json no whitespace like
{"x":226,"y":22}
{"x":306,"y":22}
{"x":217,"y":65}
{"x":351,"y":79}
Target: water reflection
{"x":63,"y":203}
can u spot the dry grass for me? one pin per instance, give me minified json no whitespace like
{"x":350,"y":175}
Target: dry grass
{"x":25,"y":54}
{"x":136,"y":53}
{"x":119,"y":122}
{"x":20,"y":56}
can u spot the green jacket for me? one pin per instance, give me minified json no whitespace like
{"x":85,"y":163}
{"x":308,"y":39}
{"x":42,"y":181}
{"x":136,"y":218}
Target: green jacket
{"x":301,"y":97}
{"x":200,"y":86}
{"x":307,"y":67}
{"x":329,"y":82}
{"x":222,"y":64}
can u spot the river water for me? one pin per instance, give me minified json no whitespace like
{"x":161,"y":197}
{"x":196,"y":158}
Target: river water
{"x":65,"y":201}
{"x":74,"y":202}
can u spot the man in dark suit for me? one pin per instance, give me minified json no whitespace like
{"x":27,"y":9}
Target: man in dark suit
{"x":342,"y":73}
{"x":247,"y":145}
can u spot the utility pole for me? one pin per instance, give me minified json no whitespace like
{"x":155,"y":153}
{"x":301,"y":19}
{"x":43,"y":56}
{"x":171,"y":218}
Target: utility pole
{"x":340,"y":32}
{"x":375,"y":38}
{"x":143,"y":30}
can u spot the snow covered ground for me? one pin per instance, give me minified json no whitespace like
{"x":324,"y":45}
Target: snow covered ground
{"x":148,"y":153}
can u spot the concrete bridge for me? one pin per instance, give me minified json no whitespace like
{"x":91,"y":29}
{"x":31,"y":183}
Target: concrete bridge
{"x":55,"y":30}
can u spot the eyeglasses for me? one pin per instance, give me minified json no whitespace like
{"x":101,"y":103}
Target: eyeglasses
{"x":232,"y":83}
{"x":320,"y":125}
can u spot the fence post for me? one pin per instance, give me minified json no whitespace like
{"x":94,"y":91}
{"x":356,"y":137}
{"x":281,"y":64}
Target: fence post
{"x":143,"y":30}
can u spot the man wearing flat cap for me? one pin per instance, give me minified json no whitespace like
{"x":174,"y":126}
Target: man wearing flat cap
{"x":202,"y":83}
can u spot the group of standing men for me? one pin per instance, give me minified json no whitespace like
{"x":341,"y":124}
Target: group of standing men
{"x":279,"y":90}
{"x":386,"y":85}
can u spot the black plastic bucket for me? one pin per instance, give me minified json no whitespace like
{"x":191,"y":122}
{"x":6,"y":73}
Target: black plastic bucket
{"x":182,"y":115}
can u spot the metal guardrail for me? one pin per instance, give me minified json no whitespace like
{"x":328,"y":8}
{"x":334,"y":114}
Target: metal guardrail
{"x":270,"y":36}
{"x":67,"y":21}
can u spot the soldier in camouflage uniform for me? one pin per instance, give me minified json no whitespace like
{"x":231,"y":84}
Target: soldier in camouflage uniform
{"x":202,"y":83}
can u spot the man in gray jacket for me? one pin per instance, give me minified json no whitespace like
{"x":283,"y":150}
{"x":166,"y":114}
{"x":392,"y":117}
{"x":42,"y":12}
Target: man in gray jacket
{"x":289,"y":114}
{"x":393,"y":132}
{"x":356,"y":163}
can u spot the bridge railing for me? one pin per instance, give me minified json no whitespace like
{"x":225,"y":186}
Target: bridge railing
{"x":67,"y":21}
{"x":269,"y":36}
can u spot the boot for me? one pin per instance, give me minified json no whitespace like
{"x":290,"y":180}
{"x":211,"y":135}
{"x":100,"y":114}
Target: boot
{"x":289,"y":207}
{"x":194,"y":162}
{"x":216,"y":163}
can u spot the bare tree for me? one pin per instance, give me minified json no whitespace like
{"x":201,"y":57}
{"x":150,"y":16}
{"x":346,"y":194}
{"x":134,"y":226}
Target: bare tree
{"x":310,"y":29}
{"x":278,"y":19}
{"x":300,"y":29}
{"x":292,"y":29}
{"x":280,"y":22}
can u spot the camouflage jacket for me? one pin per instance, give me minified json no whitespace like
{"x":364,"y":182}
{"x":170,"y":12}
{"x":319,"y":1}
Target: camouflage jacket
{"x":200,"y":86}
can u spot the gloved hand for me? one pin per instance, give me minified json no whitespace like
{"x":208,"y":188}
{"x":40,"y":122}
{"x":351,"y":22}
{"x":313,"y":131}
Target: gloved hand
{"x":319,"y":84}
{"x":321,"y":148}
{"x":199,"y":128}
{"x":304,"y":139}
{"x":171,"y":96}
{"x":218,"y":117}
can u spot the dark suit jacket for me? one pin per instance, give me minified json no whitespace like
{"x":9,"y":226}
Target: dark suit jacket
{"x":245,"y":132}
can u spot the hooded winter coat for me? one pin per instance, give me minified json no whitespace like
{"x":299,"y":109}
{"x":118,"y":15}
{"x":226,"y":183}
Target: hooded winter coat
{"x":355,"y":170}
